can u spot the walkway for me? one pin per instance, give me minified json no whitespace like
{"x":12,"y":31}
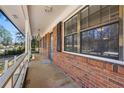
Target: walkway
{"x":44,"y":74}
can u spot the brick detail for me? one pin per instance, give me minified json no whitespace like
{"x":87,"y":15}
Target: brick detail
{"x":87,"y":72}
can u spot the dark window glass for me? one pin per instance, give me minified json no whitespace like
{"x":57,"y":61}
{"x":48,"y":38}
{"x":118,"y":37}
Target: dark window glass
{"x":98,"y":31}
{"x":84,"y":19}
{"x":70,"y":35}
{"x":71,"y":26}
{"x":85,"y":42}
{"x":68,"y":43}
{"x":105,"y":14}
{"x":114,"y":12}
{"x":97,"y":41}
{"x":111,"y":41}
{"x":101,"y":41}
{"x":94,"y":15}
{"x":75,"y":43}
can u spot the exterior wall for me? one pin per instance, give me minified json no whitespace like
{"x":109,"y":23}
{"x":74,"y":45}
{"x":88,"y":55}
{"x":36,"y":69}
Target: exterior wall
{"x":85,"y":71}
{"x":88,"y":72}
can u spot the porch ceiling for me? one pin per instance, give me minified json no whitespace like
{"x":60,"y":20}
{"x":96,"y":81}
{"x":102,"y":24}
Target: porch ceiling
{"x":15,"y":14}
{"x":41,"y":17}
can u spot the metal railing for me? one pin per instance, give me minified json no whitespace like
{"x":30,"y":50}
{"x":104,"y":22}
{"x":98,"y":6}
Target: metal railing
{"x":14,"y":72}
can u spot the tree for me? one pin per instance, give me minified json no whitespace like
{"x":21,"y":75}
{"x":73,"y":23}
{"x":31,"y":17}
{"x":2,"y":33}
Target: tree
{"x":5,"y":36}
{"x":20,"y":38}
{"x":35,"y":43}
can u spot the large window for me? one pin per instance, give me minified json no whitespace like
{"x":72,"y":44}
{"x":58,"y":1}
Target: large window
{"x":71,"y":34}
{"x":101,"y":41}
{"x":98,"y":29}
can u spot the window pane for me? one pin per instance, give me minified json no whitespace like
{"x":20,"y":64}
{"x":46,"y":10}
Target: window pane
{"x":71,"y":25}
{"x":97,"y":41}
{"x":65,"y":28}
{"x":74,"y":24}
{"x":75,"y":43}
{"x":101,"y":41}
{"x":94,"y":15}
{"x":70,"y":40}
{"x":93,"y":9}
{"x":85,"y":42}
{"x":105,"y":39}
{"x":114,"y":12}
{"x":113,"y":47}
{"x":91,"y":41}
{"x":105,"y":14}
{"x":68,"y":43}
{"x":84,"y":19}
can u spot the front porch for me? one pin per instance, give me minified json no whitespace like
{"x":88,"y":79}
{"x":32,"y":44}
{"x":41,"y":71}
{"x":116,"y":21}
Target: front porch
{"x":42,"y":73}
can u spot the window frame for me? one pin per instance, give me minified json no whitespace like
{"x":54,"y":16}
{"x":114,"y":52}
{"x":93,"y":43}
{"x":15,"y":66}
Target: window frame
{"x":92,"y":56}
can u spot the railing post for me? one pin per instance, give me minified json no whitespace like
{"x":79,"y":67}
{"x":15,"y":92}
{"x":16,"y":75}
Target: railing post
{"x":14,"y":59}
{"x":6,"y":65}
{"x":9,"y":83}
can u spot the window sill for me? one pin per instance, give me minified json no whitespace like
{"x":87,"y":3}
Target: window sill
{"x":97,"y":58}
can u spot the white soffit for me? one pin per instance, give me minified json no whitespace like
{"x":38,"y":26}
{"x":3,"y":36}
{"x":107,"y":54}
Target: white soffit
{"x":69,"y":11}
{"x":40,"y":19}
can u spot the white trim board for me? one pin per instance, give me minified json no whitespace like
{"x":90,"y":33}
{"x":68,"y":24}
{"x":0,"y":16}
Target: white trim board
{"x":97,"y":58}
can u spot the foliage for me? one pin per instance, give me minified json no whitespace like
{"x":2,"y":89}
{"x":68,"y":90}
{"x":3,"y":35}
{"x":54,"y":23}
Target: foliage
{"x":5,"y":36}
{"x":35,"y":43}
{"x":17,"y":51}
{"x":20,"y":38}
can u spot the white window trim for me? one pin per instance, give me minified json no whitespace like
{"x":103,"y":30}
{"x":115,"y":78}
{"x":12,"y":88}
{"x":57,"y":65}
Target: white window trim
{"x":96,"y":58}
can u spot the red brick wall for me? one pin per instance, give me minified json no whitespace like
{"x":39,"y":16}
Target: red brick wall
{"x":88,"y":72}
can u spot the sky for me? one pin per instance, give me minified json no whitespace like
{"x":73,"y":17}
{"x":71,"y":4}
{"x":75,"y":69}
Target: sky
{"x":9,"y":26}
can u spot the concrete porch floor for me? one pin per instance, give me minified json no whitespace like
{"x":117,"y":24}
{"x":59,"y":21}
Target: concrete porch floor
{"x":44,"y":74}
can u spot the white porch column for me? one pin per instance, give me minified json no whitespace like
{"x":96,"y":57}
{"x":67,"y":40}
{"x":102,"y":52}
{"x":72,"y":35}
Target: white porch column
{"x":27,"y":39}
{"x":26,"y":36}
